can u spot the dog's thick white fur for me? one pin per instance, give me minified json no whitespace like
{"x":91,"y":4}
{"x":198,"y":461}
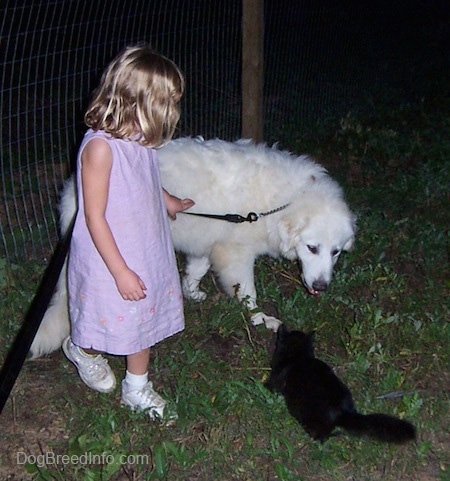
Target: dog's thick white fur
{"x":236,"y":177}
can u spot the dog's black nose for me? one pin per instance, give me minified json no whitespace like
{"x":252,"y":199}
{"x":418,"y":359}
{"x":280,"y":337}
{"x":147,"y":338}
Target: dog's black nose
{"x":319,"y":286}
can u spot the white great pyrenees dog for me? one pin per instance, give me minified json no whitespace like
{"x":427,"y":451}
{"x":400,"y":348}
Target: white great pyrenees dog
{"x":300,"y":210}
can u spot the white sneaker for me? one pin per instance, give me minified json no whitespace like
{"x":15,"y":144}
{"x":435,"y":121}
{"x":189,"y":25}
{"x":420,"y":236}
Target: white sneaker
{"x":93,"y":370}
{"x":145,"y":398}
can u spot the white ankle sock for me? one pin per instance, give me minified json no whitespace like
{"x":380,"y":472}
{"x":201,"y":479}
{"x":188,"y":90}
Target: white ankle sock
{"x":136,"y":381}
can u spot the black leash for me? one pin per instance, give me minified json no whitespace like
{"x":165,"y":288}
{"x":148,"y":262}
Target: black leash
{"x":22,"y":343}
{"x":236,"y":218}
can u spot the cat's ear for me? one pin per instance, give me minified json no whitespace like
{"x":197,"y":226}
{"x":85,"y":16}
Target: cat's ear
{"x":310,"y":336}
{"x":282,"y":332}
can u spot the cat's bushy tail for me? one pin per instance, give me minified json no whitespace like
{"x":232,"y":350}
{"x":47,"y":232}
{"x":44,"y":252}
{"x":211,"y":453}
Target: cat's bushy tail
{"x":381,"y":427}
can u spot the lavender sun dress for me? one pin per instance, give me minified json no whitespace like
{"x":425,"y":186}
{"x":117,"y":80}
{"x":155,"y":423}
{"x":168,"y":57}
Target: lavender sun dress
{"x":137,"y":215}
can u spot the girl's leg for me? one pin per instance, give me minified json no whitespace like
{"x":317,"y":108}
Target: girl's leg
{"x":136,"y":377}
{"x":138,"y":363}
{"x":137,"y":390}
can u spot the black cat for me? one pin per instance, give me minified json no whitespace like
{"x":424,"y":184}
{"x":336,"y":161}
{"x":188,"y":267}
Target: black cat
{"x":318,"y":399}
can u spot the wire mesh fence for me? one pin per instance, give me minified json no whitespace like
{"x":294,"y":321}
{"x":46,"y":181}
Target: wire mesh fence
{"x":52,"y":54}
{"x":322,"y":59}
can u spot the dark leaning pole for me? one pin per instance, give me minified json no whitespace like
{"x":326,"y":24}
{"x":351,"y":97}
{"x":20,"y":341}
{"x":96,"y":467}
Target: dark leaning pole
{"x":22,"y":343}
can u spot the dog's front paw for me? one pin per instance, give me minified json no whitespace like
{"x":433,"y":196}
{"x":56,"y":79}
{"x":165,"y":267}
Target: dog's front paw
{"x":271,"y":323}
{"x":192,"y":292}
{"x":197,"y":296}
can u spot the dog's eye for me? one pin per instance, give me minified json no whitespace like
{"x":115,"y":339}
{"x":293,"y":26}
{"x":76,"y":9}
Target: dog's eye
{"x":335,"y":253}
{"x":312,"y":249}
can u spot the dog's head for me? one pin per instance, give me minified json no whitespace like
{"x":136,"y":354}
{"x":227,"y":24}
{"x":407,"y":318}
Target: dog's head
{"x":316,"y":235}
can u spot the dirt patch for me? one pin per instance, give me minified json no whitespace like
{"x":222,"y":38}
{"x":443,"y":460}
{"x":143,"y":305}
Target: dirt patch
{"x":34,"y":419}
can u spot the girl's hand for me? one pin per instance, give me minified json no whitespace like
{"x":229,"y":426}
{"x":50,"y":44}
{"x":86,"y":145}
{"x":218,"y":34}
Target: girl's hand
{"x":175,"y":205}
{"x":130,"y":285}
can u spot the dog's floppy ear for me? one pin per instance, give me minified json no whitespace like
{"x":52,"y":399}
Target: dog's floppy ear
{"x":348,"y":246}
{"x":289,"y":235}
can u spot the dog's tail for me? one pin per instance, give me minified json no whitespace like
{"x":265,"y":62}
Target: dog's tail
{"x":381,"y":427}
{"x":55,"y":326}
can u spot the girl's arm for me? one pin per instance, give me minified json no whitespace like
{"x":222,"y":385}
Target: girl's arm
{"x":96,"y":162}
{"x":174,"y":204}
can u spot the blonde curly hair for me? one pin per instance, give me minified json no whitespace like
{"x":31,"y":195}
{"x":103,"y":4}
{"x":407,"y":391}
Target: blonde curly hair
{"x":138,"y":97}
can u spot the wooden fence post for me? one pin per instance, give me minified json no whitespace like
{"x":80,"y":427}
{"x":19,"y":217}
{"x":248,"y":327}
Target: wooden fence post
{"x":253,"y":69}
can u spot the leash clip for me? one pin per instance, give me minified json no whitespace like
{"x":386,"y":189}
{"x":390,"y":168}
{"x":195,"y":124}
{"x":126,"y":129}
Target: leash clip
{"x":252,"y":217}
{"x":239,"y":219}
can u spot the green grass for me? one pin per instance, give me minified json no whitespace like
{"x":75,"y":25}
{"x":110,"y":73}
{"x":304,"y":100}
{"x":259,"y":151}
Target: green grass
{"x":383,"y":325}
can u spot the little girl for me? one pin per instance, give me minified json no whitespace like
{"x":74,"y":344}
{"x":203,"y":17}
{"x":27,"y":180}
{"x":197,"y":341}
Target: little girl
{"x":124,"y":289}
